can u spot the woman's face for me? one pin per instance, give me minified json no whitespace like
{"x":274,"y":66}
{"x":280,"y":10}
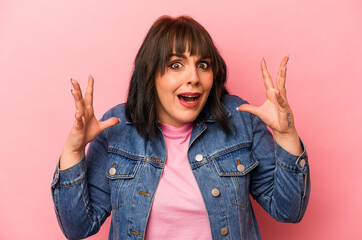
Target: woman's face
{"x":183,"y":89}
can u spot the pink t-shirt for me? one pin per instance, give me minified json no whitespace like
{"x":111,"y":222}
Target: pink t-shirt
{"x":178,"y":210}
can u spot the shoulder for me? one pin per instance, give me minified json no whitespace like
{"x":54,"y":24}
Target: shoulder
{"x":232,"y":100}
{"x":239,"y":118}
{"x":117,"y":111}
{"x":124,"y":126}
{"x":123,"y":135}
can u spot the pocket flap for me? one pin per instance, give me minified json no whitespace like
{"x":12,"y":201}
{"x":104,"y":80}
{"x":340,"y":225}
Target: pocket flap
{"x":121,"y":167}
{"x":235,"y":163}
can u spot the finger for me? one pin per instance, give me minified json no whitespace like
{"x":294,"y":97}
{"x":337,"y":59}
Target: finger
{"x":282,"y":101}
{"x":79,"y":103}
{"x":88,"y":98}
{"x":283,"y":92}
{"x":282,"y":73}
{"x":108,"y":123}
{"x":249,"y":108}
{"x":266,"y":76}
{"x":76,"y":86}
{"x":78,"y":122}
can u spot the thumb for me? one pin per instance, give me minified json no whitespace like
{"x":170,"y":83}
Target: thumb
{"x":108,"y":123}
{"x":248,"y":108}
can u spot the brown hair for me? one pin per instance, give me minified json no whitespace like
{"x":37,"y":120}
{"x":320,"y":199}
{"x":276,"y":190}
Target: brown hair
{"x":166,"y":36}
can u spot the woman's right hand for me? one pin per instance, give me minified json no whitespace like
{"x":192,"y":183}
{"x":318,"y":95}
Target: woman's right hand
{"x":85,"y":128}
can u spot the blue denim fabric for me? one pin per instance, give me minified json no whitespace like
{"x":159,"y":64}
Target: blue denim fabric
{"x":86,"y":194}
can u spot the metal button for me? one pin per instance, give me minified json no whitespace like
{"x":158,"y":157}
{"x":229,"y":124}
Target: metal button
{"x":302,"y":163}
{"x":112,"y":171}
{"x":199,"y":157}
{"x":215,"y":192}
{"x":241,"y":168}
{"x":224,"y":231}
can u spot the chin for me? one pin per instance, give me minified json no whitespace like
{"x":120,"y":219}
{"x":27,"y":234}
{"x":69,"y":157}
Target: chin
{"x":188,"y":118}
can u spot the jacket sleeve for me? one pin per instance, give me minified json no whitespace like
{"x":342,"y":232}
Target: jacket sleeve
{"x":81,"y":193}
{"x":281,"y":182}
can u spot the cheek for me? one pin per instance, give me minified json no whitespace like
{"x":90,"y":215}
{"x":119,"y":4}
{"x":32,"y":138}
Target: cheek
{"x":209,"y":82}
{"x":161,"y":85}
{"x":166,"y":83}
{"x":165,"y":86}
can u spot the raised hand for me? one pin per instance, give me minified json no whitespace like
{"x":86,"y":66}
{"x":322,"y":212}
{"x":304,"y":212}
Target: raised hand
{"x":85,"y":128}
{"x":275,"y":111}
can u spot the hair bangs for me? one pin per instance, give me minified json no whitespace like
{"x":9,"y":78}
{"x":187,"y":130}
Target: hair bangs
{"x":190,"y":38}
{"x":184,"y":36}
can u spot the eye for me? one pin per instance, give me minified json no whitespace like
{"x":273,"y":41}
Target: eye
{"x":175,"y":65}
{"x":204,"y":65}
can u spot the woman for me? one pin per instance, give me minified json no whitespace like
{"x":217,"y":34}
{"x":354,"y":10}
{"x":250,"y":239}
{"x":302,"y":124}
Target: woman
{"x":179,"y":159}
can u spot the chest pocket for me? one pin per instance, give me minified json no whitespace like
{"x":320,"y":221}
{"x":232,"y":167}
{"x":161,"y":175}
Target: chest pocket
{"x":120,"y":173}
{"x":233,"y":168}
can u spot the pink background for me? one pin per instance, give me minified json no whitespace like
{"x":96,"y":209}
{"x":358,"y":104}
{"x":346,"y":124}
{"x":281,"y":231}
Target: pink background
{"x":45,"y":43}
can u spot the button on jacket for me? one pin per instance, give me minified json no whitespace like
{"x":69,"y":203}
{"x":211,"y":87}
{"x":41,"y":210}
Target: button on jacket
{"x":121,"y":172}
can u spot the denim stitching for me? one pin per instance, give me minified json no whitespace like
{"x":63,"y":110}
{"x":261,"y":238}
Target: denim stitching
{"x":301,"y":202}
{"x":236,"y":173}
{"x":257,"y":161}
{"x":231,"y":149}
{"x":86,"y":205}
{"x":88,"y":208}
{"x":195,"y":165}
{"x":222,"y":199}
{"x":305,"y":177}
{"x":115,"y":228}
{"x":149,"y":158}
{"x":55,"y":194}
{"x":154,"y":163}
{"x":156,"y":159}
{"x":118,"y":186}
{"x":227,"y":190}
{"x":72,"y":184}
{"x":198,"y":164}
{"x":280,"y":163}
{"x":125,"y":154}
{"x":123,"y":175}
{"x":130,"y":209}
{"x":125,"y":194}
{"x":220,"y":153}
{"x":241,"y":224}
{"x":202,"y":130}
{"x":146,"y":194}
{"x":64,"y":170}
{"x":238,"y":193}
{"x":137,"y":234}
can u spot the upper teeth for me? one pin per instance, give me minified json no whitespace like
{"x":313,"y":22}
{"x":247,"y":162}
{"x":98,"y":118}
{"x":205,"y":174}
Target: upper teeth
{"x":188,"y":96}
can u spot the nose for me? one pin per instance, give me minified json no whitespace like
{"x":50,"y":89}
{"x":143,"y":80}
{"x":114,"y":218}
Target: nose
{"x":193,"y":78}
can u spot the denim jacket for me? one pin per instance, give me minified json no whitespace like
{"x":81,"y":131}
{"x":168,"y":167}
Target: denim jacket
{"x":121,"y":172}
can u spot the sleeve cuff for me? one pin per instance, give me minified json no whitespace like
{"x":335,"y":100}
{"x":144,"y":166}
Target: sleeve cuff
{"x":290,"y":161}
{"x":70,"y":176}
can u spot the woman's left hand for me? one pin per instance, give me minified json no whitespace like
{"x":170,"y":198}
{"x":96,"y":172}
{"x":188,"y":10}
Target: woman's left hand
{"x":275,"y":111}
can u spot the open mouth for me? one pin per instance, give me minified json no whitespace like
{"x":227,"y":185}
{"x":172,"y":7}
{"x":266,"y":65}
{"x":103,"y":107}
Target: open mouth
{"x":189,"y":98}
